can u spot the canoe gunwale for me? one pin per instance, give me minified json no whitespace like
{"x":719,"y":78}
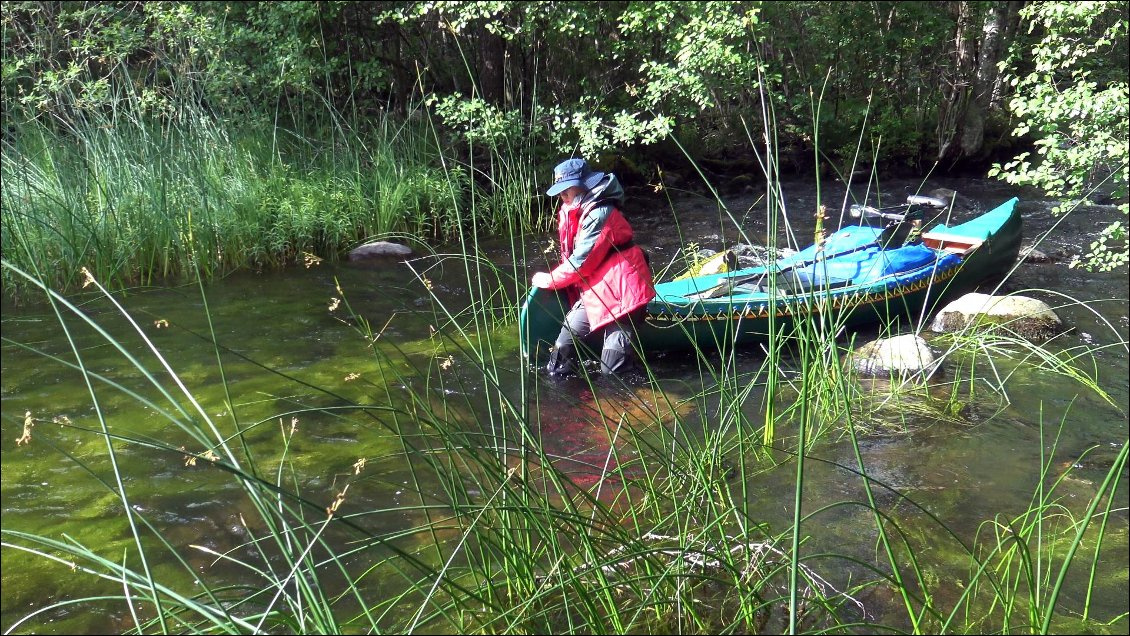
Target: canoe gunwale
{"x":884,"y":289}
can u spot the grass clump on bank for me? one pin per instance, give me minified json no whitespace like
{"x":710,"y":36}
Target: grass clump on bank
{"x":139,"y":199}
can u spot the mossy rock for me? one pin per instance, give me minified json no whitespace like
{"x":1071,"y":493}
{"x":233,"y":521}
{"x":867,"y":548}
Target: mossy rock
{"x":378,"y":250}
{"x":1026,"y":317}
{"x":901,"y":356}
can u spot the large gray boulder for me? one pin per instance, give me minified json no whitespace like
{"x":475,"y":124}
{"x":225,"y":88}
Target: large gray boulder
{"x":1027,"y":317}
{"x":901,"y":356}
{"x":380,"y":250}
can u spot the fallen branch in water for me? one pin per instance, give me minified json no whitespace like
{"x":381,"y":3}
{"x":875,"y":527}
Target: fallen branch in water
{"x":759,"y":557}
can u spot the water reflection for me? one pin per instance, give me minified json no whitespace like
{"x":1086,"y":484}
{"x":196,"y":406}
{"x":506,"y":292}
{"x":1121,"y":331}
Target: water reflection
{"x":598,"y":432}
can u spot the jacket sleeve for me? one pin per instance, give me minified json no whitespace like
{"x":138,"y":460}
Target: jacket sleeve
{"x":590,"y":247}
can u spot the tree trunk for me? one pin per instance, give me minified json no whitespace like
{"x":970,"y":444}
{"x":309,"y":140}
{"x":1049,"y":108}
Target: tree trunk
{"x":1011,"y":25}
{"x":989,"y":52}
{"x":492,"y":73}
{"x":976,"y":88}
{"x":952,"y":114}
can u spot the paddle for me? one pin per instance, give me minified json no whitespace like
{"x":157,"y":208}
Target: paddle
{"x":912,"y":209}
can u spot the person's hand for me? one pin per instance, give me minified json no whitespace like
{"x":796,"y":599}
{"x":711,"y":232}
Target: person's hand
{"x":542,"y":280}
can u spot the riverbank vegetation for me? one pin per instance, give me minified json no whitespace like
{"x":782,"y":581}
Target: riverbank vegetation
{"x":147,"y":141}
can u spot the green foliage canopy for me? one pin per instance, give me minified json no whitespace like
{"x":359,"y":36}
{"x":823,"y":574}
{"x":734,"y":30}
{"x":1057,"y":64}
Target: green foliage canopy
{"x":555,"y":78}
{"x":1071,"y":96}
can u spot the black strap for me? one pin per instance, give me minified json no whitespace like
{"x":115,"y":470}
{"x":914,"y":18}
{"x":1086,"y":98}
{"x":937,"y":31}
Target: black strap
{"x":629,"y":244}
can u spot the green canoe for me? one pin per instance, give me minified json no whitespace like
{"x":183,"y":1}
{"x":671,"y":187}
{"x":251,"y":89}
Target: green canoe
{"x":862,"y":274}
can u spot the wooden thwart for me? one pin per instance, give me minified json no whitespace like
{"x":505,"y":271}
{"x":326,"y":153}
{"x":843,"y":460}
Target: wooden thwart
{"x":952,"y":243}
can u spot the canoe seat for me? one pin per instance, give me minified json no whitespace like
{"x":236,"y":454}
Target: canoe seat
{"x":953,"y":243}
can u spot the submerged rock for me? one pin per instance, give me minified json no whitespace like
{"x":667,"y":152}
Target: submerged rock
{"x":944,"y":195}
{"x":1032,"y":255}
{"x":380,"y":249}
{"x":906,"y":355}
{"x":1027,"y":317}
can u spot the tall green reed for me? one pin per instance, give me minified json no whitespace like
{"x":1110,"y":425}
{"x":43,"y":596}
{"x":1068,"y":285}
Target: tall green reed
{"x":694,"y":500}
{"x":824,"y":396}
{"x":1032,"y":553}
{"x":141,"y":196}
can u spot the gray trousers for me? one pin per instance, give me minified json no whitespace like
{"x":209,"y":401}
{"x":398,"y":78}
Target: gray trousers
{"x":616,"y":354}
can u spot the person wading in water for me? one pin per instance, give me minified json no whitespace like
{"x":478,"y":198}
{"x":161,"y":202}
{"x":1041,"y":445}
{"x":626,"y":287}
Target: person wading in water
{"x":601,"y":268}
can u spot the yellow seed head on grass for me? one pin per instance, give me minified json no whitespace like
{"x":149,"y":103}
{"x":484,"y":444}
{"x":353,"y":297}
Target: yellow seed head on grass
{"x":332,"y":510}
{"x":311,"y":260}
{"x":28,"y":423}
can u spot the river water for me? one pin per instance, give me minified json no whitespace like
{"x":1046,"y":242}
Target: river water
{"x":289,"y":362}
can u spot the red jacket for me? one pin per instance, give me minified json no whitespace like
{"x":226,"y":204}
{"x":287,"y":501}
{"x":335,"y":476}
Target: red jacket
{"x":612,"y":282}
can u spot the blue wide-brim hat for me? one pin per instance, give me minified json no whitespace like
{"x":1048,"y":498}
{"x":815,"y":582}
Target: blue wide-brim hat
{"x":573,"y":172}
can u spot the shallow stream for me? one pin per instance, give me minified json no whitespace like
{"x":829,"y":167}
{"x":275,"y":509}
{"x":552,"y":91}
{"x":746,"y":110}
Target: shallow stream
{"x":287,"y":358}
